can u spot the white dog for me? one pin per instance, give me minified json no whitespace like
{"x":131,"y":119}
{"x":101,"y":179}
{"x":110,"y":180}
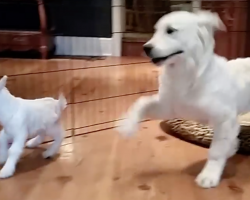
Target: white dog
{"x":195,"y":84}
{"x":23,"y":119}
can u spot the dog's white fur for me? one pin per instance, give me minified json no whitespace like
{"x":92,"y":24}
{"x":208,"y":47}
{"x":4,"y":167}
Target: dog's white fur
{"x":197,"y":85}
{"x":23,"y":119}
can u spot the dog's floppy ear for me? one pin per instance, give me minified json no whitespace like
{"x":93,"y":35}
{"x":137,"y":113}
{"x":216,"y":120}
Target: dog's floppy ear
{"x":208,"y":18}
{"x":3,"y":82}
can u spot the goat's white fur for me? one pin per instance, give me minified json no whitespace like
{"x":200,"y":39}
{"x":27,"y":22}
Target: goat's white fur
{"x":23,"y":119}
{"x":197,"y":85}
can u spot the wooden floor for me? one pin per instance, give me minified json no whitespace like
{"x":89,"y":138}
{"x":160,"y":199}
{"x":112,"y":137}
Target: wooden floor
{"x":94,"y":162}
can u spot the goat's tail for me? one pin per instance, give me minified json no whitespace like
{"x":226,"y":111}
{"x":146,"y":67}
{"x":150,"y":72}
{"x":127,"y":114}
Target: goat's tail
{"x":62,"y":102}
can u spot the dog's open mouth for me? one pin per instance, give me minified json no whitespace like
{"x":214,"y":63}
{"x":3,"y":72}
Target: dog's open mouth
{"x":160,"y":59}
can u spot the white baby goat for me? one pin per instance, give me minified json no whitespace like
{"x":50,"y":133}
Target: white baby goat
{"x":24,"y":119}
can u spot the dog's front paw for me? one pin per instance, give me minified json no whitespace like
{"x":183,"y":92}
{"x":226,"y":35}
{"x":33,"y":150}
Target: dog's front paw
{"x":207,"y":179}
{"x":7,"y":172}
{"x":127,"y":127}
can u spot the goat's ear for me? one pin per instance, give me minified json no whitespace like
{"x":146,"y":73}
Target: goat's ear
{"x":210,"y":19}
{"x":3,"y":82}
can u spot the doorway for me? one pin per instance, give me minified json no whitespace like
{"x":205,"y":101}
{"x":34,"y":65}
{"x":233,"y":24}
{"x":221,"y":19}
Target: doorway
{"x":141,"y":15}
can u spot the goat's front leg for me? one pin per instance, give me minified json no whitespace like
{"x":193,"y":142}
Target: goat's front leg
{"x":223,"y":146}
{"x":146,"y":106}
{"x":3,"y":147}
{"x":14,"y":154}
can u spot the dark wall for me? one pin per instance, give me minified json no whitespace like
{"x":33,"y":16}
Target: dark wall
{"x":85,"y":18}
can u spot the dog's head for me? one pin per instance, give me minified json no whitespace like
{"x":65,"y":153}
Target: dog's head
{"x":180,"y":33}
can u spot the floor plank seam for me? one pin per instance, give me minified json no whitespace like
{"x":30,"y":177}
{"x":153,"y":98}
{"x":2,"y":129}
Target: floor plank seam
{"x":111,"y":97}
{"x":94,"y":131}
{"x":74,"y":69}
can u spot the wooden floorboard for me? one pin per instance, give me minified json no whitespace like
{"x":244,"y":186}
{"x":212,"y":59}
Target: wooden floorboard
{"x":103,"y":166}
{"x":86,"y":84}
{"x":96,"y":163}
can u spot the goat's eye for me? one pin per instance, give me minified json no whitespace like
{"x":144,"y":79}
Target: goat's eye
{"x":170,"y":30}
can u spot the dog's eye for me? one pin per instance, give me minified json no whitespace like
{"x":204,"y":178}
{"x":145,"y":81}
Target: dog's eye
{"x":170,"y":30}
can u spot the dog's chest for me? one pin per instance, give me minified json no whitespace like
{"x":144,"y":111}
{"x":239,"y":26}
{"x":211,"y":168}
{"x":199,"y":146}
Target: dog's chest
{"x":32,"y":134}
{"x":185,"y":104}
{"x":190,"y":111}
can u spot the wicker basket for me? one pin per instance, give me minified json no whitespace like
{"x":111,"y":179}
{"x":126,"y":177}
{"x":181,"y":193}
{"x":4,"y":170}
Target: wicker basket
{"x":202,"y":135}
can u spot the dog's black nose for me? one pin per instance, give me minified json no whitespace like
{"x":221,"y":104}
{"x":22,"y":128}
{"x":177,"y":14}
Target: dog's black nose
{"x":147,"y":49}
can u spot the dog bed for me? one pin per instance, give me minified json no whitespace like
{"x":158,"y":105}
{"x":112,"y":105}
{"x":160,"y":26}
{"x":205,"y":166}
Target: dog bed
{"x":202,"y":135}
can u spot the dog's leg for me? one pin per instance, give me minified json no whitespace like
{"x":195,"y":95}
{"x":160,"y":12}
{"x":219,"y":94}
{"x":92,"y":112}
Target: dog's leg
{"x":14,"y":154}
{"x":3,"y":147}
{"x":57,"y":133}
{"x":223,"y":146}
{"x":146,"y":106}
{"x":34,"y":142}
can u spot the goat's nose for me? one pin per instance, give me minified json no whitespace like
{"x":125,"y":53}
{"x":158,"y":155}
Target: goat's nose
{"x":147,"y":49}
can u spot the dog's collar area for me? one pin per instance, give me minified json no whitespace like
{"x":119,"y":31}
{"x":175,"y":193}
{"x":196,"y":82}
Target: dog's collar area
{"x":159,"y":59}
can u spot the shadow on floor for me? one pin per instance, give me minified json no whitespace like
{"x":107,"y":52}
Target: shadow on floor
{"x":33,"y":161}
